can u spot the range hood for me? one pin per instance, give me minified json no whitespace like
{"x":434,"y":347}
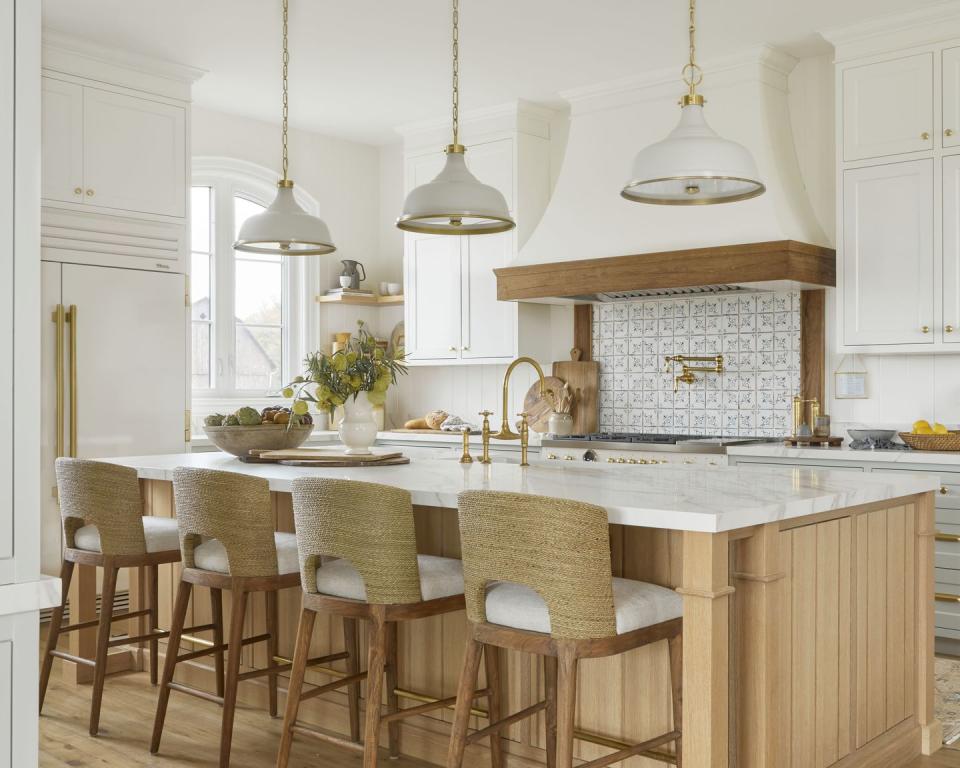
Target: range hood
{"x":592,"y":245}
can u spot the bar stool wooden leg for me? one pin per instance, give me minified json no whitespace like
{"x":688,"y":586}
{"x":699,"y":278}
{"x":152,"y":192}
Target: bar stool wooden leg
{"x":676,"y":681}
{"x":238,"y":610}
{"x":351,"y":643}
{"x":393,"y":701}
{"x":566,"y":705}
{"x":216,"y":613}
{"x":170,"y":662}
{"x":376,"y":665}
{"x":300,"y":655}
{"x":465,"y":691}
{"x":56,"y":621}
{"x":491,"y":666}
{"x":550,"y":694}
{"x":153,"y":588}
{"x":103,"y":641}
{"x":273,"y":626}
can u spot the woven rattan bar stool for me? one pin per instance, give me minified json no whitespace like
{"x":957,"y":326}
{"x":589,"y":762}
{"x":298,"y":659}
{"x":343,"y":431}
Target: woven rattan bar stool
{"x":103,"y":526}
{"x":378,"y":577}
{"x":227,"y":542}
{"x":538,"y":579}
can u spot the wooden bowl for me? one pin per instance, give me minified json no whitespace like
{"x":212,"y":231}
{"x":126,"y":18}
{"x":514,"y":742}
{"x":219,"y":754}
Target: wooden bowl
{"x":268,"y":437}
{"x":947,"y":442}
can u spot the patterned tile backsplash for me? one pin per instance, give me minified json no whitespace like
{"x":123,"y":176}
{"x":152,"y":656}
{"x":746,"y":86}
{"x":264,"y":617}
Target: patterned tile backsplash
{"x":758,"y":335}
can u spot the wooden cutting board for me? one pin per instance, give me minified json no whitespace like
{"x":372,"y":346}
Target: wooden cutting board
{"x":584,"y":379}
{"x":357,"y":462}
{"x":538,"y":409}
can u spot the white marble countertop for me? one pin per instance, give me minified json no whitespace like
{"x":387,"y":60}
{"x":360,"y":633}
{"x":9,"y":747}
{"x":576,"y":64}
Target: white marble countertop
{"x":844,"y":453}
{"x":677,"y":497}
{"x":319,"y":437}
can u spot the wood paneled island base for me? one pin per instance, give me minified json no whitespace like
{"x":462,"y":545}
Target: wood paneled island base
{"x":807,"y":642}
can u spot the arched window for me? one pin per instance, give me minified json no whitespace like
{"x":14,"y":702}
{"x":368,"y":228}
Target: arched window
{"x":248,"y":310}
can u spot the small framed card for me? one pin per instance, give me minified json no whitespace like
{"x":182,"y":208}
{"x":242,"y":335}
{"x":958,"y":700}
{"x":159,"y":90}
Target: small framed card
{"x":849,"y":385}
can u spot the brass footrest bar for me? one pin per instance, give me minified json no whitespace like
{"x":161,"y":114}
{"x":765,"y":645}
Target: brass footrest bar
{"x":428,"y":707}
{"x":321,"y":689}
{"x":190,"y":691}
{"x":157,"y":634}
{"x":498,"y":726}
{"x":75,"y":659}
{"x":635,"y":749}
{"x":414,"y":696}
{"x":606,"y":741}
{"x":946,"y":597}
{"x":329,"y":738}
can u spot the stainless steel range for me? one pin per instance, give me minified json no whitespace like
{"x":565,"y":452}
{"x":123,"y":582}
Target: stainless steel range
{"x":641,"y":448}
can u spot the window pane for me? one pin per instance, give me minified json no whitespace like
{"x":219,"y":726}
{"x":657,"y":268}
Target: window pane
{"x":200,"y":286}
{"x":200,"y":218}
{"x":259,"y":354}
{"x":259,"y":292}
{"x":201,"y":356}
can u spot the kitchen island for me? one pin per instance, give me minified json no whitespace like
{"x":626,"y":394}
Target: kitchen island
{"x":808,"y":610}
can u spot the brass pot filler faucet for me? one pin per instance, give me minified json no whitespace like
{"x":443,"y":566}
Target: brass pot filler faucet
{"x":687,"y":372}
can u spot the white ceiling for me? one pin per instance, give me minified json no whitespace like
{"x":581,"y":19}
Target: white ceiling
{"x":361,"y":67}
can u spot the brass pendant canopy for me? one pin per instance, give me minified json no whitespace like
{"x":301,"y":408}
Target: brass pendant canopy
{"x":455,"y":202}
{"x":284,"y":227}
{"x":693,"y":165}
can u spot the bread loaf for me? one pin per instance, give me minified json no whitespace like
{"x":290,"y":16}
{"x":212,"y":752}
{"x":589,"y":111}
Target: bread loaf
{"x":435,"y":419}
{"x":416,"y":424}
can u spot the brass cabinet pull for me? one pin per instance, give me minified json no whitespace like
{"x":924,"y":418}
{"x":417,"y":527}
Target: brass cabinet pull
{"x":78,"y":190}
{"x":72,"y":319}
{"x":946,"y":597}
{"x":59,"y":318}
{"x":90,"y":193}
{"x":451,"y":348}
{"x":944,"y":490}
{"x":925,"y":136}
{"x":925,"y":328}
{"x":948,"y":132}
{"x":948,"y":329}
{"x":951,"y":537}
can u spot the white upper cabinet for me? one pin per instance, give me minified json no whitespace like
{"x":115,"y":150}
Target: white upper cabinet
{"x":951,"y":97}
{"x":951,"y":249}
{"x":62,"y":141}
{"x":888,"y":107}
{"x":432,"y":306}
{"x":134,"y":153}
{"x":888,"y":254}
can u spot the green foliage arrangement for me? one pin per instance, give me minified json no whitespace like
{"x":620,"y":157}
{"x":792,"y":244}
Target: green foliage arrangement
{"x":361,"y":366}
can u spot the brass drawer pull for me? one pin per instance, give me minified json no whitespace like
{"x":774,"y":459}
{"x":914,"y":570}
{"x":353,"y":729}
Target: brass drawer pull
{"x":944,"y":490}
{"x":946,"y":597}
{"x":947,"y":537}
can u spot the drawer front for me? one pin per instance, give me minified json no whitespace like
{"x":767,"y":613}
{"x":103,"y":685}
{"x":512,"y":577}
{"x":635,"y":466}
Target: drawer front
{"x":947,"y":608}
{"x":947,"y":516}
{"x":790,"y":465}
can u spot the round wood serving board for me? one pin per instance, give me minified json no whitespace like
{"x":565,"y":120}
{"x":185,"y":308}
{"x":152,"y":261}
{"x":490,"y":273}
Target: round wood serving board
{"x":344,"y":463}
{"x":538,"y":409}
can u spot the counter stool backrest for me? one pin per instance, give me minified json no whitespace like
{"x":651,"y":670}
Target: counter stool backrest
{"x":232,"y":508}
{"x":559,"y":548}
{"x":368,"y":524}
{"x":104,"y":495}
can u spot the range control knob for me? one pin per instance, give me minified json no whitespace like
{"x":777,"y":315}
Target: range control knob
{"x":551,"y":455}
{"x":611,"y":460}
{"x":590,"y":455}
{"x":633,"y":461}
{"x":621,"y":460}
{"x":568,"y":457}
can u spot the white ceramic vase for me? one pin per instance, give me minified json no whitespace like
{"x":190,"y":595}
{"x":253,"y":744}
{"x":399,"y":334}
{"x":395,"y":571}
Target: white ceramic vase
{"x":358,"y":430}
{"x":560,"y":424}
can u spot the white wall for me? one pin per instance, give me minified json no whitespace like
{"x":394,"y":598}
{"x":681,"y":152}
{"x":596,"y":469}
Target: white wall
{"x":901,"y":388}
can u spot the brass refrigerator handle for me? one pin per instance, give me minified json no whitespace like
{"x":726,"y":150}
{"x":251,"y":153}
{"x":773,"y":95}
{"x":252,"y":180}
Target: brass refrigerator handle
{"x":72,"y":319}
{"x":59,"y":319}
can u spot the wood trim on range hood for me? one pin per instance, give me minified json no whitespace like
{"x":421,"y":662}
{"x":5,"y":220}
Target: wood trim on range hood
{"x":763,"y":265}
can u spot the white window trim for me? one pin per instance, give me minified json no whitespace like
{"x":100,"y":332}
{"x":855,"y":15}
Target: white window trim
{"x":228,"y":177}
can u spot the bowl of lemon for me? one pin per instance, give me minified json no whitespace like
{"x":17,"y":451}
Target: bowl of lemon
{"x":931,"y":437}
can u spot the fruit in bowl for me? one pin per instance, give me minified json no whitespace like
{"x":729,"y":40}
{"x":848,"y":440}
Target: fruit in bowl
{"x":272,"y":429}
{"x":923,"y":427}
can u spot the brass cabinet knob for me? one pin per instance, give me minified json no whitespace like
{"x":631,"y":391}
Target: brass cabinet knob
{"x":568,"y":457}
{"x":611,"y":460}
{"x":948,"y":329}
{"x":465,"y":349}
{"x":944,"y":490}
{"x":948,"y":132}
{"x":925,"y":136}
{"x":78,"y":190}
{"x":451,"y":348}
{"x":551,"y":455}
{"x":90,"y":193}
{"x":925,"y":328}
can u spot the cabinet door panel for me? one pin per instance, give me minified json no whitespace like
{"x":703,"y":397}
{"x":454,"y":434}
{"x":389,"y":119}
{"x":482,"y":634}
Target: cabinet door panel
{"x":951,"y":249}
{"x":433,"y":297}
{"x":62,"y":141}
{"x":134,"y":153}
{"x":888,"y":107}
{"x":951,"y":97}
{"x":887,"y":252}
{"x":489,"y":326}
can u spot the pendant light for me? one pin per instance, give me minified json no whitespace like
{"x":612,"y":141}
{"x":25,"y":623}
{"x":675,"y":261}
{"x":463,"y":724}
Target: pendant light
{"x":693,"y":165}
{"x":285,"y":228}
{"x":455,"y":202}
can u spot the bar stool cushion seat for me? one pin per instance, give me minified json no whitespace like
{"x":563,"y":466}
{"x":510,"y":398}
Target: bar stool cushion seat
{"x":211,"y":555}
{"x":637,"y":604}
{"x":160,"y":532}
{"x":439,"y":577}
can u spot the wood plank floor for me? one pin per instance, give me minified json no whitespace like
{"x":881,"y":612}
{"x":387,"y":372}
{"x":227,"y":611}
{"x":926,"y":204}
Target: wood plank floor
{"x":191,"y":735}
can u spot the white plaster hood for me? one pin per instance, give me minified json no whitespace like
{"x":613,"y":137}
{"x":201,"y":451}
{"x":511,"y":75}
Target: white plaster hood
{"x":587,"y":218}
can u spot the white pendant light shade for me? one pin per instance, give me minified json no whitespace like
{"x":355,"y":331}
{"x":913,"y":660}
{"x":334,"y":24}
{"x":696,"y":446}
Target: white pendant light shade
{"x":285,"y":228}
{"x":693,"y":166}
{"x":455,"y":203}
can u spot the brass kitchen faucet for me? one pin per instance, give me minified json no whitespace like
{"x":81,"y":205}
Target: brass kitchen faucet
{"x":687,"y":373}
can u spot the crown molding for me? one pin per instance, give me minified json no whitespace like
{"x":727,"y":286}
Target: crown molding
{"x":889,"y":33}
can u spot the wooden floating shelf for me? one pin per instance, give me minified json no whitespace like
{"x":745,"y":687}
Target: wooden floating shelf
{"x":364,"y":301}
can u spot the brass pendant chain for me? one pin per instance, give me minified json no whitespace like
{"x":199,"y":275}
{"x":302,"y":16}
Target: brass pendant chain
{"x":692,"y":74}
{"x":456,"y":73}
{"x":286,"y":110}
